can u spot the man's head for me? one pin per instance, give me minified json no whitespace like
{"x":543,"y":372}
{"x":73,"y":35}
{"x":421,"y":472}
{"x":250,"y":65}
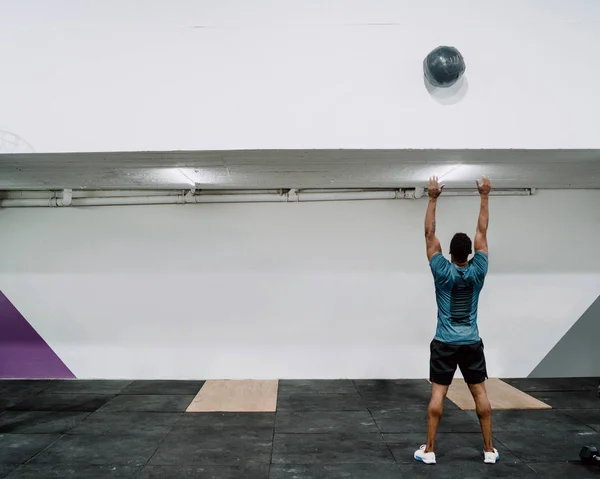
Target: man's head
{"x":460,"y":248}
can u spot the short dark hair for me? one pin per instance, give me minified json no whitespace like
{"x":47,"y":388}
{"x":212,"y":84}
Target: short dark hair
{"x":460,"y":247}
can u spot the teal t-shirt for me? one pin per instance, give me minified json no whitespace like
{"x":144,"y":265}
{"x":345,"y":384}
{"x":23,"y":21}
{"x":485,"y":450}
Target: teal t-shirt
{"x":457,"y":295}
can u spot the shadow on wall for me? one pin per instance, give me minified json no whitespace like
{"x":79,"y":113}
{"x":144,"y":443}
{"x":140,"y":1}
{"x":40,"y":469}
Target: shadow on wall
{"x":448,"y":96}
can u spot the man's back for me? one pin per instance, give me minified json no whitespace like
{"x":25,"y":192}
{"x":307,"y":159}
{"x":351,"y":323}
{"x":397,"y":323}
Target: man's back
{"x":457,"y":295}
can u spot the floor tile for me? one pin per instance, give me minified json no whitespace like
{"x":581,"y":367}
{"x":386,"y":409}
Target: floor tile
{"x":218,"y":421}
{"x":589,"y":417}
{"x":106,"y":422}
{"x":225,"y":447}
{"x":133,"y":451}
{"x":569,"y":399}
{"x":532,"y":420}
{"x":85,"y":386}
{"x":145,"y":403}
{"x":5,"y":469}
{"x":391,"y":386}
{"x":449,"y":447}
{"x":561,"y":470}
{"x":400,"y":421}
{"x":18,"y":448}
{"x":167,"y":387}
{"x":62,"y":402}
{"x":236,"y":396}
{"x":325,"y":422}
{"x":547,"y":445}
{"x":474,"y":469}
{"x":23,"y":386}
{"x":36,"y":422}
{"x":319,"y":386}
{"x":320,"y":402}
{"x":259,"y":471}
{"x":408,"y":394}
{"x":406,"y":402}
{"x":75,"y":471}
{"x":554,"y":384}
{"x":9,"y":400}
{"x":329,"y":448}
{"x":375,"y":470}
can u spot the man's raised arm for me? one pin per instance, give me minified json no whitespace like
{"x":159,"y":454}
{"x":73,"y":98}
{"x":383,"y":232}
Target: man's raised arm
{"x":432,"y":243}
{"x":484,"y":216}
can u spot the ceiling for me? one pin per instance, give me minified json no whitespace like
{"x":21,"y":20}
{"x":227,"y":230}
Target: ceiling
{"x":263,"y":169}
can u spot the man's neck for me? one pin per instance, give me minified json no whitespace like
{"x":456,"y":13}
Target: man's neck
{"x":459,"y":264}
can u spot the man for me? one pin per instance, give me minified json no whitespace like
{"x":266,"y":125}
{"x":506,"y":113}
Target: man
{"x":457,"y":343}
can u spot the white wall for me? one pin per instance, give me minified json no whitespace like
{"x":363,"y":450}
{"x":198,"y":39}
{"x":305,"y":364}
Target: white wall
{"x":309,"y":290}
{"x":114,"y":75}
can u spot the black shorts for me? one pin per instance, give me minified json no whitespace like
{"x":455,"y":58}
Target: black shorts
{"x":446,"y":357}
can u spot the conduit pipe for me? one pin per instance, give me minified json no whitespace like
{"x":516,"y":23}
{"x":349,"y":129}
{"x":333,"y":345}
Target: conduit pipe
{"x":519,"y":192}
{"x":143,"y":200}
{"x":312,"y":195}
{"x":275,"y":197}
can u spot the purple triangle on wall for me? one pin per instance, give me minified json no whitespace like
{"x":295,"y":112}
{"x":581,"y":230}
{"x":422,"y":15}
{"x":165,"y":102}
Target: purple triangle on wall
{"x":23,"y":352}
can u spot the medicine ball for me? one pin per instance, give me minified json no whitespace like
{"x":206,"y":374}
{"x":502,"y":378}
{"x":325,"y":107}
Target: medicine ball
{"x":444,"y":66}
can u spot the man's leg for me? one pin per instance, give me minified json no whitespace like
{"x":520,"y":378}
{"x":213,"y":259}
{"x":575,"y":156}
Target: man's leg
{"x":472,"y":364}
{"x":434,"y":413}
{"x":484,"y":413}
{"x":442,"y":366}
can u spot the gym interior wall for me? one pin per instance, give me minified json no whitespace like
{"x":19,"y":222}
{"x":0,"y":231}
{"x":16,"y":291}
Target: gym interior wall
{"x":305,"y":290}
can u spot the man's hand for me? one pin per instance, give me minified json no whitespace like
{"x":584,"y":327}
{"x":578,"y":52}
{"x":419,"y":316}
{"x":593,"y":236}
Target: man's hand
{"x":484,"y":187}
{"x":434,"y":189}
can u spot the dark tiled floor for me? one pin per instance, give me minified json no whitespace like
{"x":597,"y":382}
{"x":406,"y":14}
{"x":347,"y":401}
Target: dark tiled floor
{"x":148,"y":403}
{"x":249,"y":471}
{"x":333,"y":448}
{"x":39,"y":422}
{"x":589,"y":417}
{"x":215,"y":422}
{"x":226,"y":447}
{"x":62,"y":402}
{"x":554,"y":385}
{"x":85,"y":386}
{"x":400,"y":421}
{"x":164,"y":387}
{"x":323,"y":429}
{"x":337,"y":471}
{"x":78,"y":471}
{"x":569,"y":399}
{"x":108,"y":423}
{"x":304,"y":422}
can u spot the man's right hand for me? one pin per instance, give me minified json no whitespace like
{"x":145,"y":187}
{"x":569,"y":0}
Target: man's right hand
{"x":484,"y":187}
{"x":434,"y":189}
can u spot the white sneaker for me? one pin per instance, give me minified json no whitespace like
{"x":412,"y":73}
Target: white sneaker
{"x":425,"y":457}
{"x":491,"y":457}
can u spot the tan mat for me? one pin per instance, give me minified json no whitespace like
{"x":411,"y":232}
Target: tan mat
{"x":236,"y":396}
{"x":501,"y":395}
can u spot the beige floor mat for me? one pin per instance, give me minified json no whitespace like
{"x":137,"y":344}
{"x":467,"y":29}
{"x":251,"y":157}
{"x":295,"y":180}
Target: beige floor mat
{"x":501,"y":395}
{"x":236,"y":396}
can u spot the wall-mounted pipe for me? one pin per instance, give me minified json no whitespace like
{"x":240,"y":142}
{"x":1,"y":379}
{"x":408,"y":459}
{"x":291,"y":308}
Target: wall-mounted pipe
{"x":68,"y":198}
{"x":142,"y":200}
{"x":245,"y":198}
{"x":347,"y":196}
{"x":519,"y":192}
